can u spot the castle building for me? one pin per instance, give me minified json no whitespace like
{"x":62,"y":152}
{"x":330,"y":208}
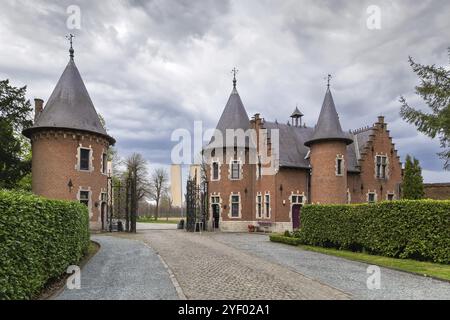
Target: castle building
{"x":70,"y":146}
{"x":319,"y":165}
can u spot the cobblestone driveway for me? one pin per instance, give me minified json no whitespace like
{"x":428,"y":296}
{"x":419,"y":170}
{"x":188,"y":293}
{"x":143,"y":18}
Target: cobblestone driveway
{"x":208,"y":269}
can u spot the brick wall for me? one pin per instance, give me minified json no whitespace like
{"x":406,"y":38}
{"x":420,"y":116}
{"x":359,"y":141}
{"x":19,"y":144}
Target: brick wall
{"x":54,"y":164}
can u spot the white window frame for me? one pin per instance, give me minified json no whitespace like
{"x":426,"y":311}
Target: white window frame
{"x":340,"y":158}
{"x":374,"y":193}
{"x":386,"y":166}
{"x":239,"y":163}
{"x":104,"y":163}
{"x":267,"y":215}
{"x":89,"y":191}
{"x":259,"y":206}
{"x":91,"y":159}
{"x":230,"y":211}
{"x":390,"y":194}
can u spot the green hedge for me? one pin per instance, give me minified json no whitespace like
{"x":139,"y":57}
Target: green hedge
{"x":39,"y":239}
{"x":284,"y":239}
{"x":402,"y":229}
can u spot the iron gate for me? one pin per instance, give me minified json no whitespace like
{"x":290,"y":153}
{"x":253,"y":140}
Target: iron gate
{"x":196,"y":205}
{"x":119,"y":205}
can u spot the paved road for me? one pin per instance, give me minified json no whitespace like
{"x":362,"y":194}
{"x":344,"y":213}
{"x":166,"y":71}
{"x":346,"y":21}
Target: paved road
{"x":123,"y":270}
{"x":346,"y":275}
{"x":208,"y":269}
{"x":156,"y":226}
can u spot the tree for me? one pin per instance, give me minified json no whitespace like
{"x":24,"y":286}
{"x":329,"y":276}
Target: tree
{"x":15,"y":114}
{"x":137,"y":174}
{"x":435,"y":91}
{"x":159,"y":185}
{"x":412,"y":180}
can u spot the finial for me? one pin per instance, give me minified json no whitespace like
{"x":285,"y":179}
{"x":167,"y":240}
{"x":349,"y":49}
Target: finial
{"x":328,"y":81}
{"x":235,"y":72}
{"x":71,"y":51}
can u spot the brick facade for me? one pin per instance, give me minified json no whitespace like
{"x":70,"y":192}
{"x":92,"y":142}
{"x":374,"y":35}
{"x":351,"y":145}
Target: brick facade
{"x":55,"y":164}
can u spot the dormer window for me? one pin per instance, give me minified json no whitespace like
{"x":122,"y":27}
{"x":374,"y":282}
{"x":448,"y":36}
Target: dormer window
{"x":85,"y":159}
{"x":215,"y":171}
{"x":235,"y":170}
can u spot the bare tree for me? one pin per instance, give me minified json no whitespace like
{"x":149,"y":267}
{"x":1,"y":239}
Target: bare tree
{"x":159,"y":185}
{"x":137,"y":174}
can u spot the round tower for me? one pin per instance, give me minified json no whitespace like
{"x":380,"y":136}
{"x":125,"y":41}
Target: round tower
{"x":69,"y":147}
{"x":328,"y":156}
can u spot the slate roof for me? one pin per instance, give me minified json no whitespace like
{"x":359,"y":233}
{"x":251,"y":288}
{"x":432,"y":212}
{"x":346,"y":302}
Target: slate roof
{"x":293,"y":151}
{"x":70,"y":107}
{"x":234,"y":116}
{"x":328,"y":126}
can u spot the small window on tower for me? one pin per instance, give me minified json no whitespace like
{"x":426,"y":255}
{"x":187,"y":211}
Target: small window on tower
{"x":259,"y":201}
{"x":85,"y":155}
{"x":267,"y":204}
{"x":371,"y":197}
{"x":104,"y":163}
{"x":339,"y":166}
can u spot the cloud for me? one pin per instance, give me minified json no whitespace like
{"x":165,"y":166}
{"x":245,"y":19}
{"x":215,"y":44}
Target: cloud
{"x":155,"y":66}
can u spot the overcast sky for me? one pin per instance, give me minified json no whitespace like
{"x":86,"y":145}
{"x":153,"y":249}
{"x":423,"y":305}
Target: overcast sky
{"x":153,"y":66}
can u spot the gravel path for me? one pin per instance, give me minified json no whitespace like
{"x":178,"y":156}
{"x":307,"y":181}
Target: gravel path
{"x":208,"y":269}
{"x":346,"y":275}
{"x":123,"y":270}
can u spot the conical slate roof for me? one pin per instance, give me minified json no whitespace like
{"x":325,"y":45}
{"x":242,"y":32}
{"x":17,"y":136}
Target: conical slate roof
{"x":234,"y":115}
{"x":328,"y":126}
{"x":70,"y":107}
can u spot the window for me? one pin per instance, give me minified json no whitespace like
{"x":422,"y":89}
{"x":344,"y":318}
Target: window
{"x":84,"y":198}
{"x":215,"y":171}
{"x":104,"y":163}
{"x":296,"y":199}
{"x":339,"y":165}
{"x":259,"y":168}
{"x":259,"y":206}
{"x":104,"y":197}
{"x":85,"y":155}
{"x":215,"y":200}
{"x":371,"y":197}
{"x":381,"y":165}
{"x":235,"y":206}
{"x":390,"y":197}
{"x":267,"y":205}
{"x":235,"y":170}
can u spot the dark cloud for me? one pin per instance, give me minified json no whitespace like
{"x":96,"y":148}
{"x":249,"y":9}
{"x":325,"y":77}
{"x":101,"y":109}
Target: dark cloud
{"x":155,"y":66}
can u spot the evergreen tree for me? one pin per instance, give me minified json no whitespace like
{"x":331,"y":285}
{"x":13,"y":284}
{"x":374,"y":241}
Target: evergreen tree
{"x":412,"y":180}
{"x":15,"y":114}
{"x":435,"y":91}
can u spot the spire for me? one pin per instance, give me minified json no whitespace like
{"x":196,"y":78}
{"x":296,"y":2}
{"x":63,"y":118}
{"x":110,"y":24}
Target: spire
{"x":328,"y":126}
{"x":297,"y":117}
{"x":71,"y":51}
{"x":70,"y":106}
{"x":234,"y":72}
{"x":328,"y":81}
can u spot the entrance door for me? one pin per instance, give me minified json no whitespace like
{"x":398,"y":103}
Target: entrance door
{"x":296,"y":216}
{"x":103,"y":214}
{"x":216,"y":215}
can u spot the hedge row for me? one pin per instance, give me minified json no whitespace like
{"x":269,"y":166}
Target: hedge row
{"x":402,"y":229}
{"x":39,"y":239}
{"x":285,"y":239}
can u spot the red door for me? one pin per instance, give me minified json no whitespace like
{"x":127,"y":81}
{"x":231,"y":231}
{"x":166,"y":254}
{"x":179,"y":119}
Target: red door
{"x":296,"y":216}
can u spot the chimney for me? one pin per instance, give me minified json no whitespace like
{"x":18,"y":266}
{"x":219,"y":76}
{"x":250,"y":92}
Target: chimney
{"x":38,"y":107}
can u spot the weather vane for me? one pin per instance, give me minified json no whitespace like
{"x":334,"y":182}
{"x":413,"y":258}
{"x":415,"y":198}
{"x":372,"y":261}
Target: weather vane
{"x":328,"y":80}
{"x":234,"y":72}
{"x":70,"y":38}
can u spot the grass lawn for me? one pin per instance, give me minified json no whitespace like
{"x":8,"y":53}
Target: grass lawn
{"x":160,"y":220}
{"x":440,"y":271}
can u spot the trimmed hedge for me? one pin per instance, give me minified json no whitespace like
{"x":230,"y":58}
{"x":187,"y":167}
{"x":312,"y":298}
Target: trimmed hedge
{"x":402,"y":229}
{"x":39,"y":239}
{"x":284,"y":239}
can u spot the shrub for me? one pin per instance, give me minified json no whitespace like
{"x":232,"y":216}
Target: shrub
{"x":39,"y":238}
{"x":402,"y":229}
{"x":283,"y":239}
